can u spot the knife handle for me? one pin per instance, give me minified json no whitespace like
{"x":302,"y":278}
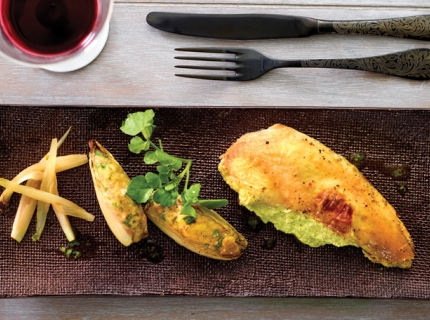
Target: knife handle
{"x":414,"y":27}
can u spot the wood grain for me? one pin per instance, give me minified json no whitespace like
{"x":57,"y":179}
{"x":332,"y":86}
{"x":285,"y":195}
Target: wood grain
{"x":108,"y":307}
{"x":136,"y":68}
{"x":320,"y":3}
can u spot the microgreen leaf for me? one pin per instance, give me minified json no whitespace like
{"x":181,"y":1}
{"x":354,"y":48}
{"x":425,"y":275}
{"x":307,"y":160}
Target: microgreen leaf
{"x":153,"y":180}
{"x":174,"y":193}
{"x":170,"y":186}
{"x":165,"y":198}
{"x":188,"y":210}
{"x":162,"y":188}
{"x":214,"y":204}
{"x":147,"y":131}
{"x":137,"y":145}
{"x":139,"y":122}
{"x":139,"y":190}
{"x":176,"y":164}
{"x":150,"y":157}
{"x":193,"y":192}
{"x":167,"y":160}
{"x":163,"y":169}
{"x":164,"y":178}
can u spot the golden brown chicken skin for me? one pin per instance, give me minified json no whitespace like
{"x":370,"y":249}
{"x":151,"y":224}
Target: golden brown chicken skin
{"x":306,"y":189}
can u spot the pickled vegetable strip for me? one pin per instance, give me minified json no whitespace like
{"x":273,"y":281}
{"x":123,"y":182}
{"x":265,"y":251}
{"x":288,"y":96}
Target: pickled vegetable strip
{"x":25,"y":212}
{"x":60,"y":213}
{"x":62,"y":163}
{"x":71,"y":208}
{"x":49,"y":184}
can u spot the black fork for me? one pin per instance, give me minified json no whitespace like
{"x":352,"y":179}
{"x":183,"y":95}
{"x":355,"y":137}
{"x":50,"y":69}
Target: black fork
{"x":249,"y":64}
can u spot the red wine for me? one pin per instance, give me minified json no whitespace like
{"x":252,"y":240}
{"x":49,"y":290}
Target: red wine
{"x":48,"y":26}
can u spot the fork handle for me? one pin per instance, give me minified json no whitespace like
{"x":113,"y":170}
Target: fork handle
{"x":414,"y":27}
{"x":414,"y":64}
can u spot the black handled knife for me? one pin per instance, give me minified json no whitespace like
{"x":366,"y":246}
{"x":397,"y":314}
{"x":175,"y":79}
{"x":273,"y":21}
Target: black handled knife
{"x":272,"y":26}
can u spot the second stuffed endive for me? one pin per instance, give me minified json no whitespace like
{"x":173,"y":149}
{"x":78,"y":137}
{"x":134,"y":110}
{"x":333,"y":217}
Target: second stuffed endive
{"x":209,"y":234}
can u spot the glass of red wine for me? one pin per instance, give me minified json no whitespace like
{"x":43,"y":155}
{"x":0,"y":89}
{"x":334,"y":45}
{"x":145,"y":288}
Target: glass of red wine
{"x":57,"y":35}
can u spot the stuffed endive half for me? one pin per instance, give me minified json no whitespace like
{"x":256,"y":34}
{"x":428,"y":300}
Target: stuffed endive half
{"x":209,"y":235}
{"x":124,"y":217}
{"x":306,"y":189}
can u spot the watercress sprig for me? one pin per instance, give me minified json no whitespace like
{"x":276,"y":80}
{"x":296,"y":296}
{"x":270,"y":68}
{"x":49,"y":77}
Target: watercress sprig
{"x":161,"y":186}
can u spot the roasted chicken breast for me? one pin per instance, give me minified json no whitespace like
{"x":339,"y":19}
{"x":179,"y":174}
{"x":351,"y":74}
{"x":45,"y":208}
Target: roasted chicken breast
{"x":306,"y":189}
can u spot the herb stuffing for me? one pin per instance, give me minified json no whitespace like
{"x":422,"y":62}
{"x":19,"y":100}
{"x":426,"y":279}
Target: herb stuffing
{"x":162,"y":186}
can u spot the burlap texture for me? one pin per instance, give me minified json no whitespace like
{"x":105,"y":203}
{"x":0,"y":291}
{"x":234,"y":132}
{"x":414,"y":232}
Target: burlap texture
{"x":290,"y":269}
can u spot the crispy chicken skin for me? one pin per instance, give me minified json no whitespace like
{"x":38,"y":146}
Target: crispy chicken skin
{"x":306,"y":189}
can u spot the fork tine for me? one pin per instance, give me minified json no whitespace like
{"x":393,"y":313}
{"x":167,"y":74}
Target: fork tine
{"x":210,"y":50}
{"x":206,"y":67}
{"x":206,"y":77}
{"x":205,"y":59}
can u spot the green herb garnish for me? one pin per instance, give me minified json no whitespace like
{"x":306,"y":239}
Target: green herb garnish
{"x":400,"y":172}
{"x":82,"y":247}
{"x":161,"y":186}
{"x":69,"y":252}
{"x":403,"y":189}
{"x":358,"y":159}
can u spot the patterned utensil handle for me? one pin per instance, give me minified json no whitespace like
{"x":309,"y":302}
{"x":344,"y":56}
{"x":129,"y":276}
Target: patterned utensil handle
{"x":415,"y":27}
{"x":414,"y":64}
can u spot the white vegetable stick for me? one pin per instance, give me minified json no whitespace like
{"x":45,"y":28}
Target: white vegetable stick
{"x":77,"y":212}
{"x":62,"y":163}
{"x":49,"y":184}
{"x":48,"y":197}
{"x":35,"y":175}
{"x":43,"y":175}
{"x":60,"y":213}
{"x":60,"y":142}
{"x":24,"y":213}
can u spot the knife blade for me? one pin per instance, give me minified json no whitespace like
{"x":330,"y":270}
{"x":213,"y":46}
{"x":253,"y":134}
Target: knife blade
{"x":273,"y":26}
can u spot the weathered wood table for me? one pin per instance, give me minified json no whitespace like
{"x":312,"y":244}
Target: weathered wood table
{"x":136,"y":68}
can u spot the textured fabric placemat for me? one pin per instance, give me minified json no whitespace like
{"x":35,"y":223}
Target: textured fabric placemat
{"x":289,"y":269}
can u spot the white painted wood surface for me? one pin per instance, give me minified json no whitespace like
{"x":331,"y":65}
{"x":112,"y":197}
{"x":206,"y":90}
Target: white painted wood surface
{"x":136,"y":68}
{"x":303,"y":3}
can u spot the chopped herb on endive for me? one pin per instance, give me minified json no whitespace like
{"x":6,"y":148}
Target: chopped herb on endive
{"x":161,"y":186}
